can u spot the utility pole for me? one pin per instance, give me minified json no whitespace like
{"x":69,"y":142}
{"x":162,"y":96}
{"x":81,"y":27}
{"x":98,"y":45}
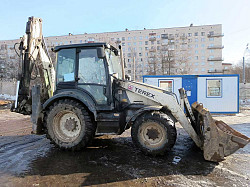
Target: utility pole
{"x":244,"y":78}
{"x":243,"y":65}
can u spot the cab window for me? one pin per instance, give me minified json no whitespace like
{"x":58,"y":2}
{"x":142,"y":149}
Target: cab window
{"x":66,"y":65}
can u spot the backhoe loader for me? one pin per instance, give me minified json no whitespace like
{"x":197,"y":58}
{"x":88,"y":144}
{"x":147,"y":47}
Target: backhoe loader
{"x":88,"y":94}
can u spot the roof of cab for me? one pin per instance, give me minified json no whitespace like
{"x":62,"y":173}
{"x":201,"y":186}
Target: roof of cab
{"x":57,"y":48}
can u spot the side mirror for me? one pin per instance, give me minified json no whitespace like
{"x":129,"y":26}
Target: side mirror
{"x":100,"y":52}
{"x":115,"y":75}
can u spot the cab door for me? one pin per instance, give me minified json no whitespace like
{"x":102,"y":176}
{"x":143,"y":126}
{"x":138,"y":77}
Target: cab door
{"x":93,"y":76}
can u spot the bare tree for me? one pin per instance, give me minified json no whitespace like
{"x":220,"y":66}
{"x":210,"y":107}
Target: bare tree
{"x":238,"y":69}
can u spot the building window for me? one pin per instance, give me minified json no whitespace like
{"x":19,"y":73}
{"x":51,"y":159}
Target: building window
{"x":80,"y":41}
{"x":196,"y":57}
{"x":211,"y":69}
{"x":196,"y":52}
{"x":203,"y":58}
{"x":146,"y":42}
{"x":140,"y":54}
{"x":196,"y":34}
{"x":202,"y":33}
{"x":146,"y":48}
{"x":129,"y":71}
{"x":202,"y":45}
{"x":140,"y":37}
{"x":202,"y":51}
{"x":203,"y":69}
{"x":140,"y":43}
{"x":189,"y":34}
{"x":166,"y":84}
{"x":196,"y":46}
{"x":196,"y":69}
{"x":211,"y":51}
{"x":189,"y":46}
{"x":211,"y":39}
{"x":129,"y":54}
{"x":129,"y":38}
{"x":211,"y":63}
{"x":196,"y":40}
{"x":202,"y":39}
{"x":214,"y":87}
{"x":152,"y":42}
{"x":134,"y":37}
{"x":189,"y":40}
{"x":196,"y":63}
{"x":129,"y":43}
{"x":123,"y":44}
{"x":134,"y":43}
{"x":123,"y":38}
{"x":202,"y":63}
{"x":158,"y":42}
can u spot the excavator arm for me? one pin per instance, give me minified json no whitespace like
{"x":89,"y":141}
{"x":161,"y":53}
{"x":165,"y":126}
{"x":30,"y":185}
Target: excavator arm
{"x":36,"y":67}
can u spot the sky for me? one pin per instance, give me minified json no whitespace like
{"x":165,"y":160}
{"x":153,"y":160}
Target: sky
{"x":61,"y":17}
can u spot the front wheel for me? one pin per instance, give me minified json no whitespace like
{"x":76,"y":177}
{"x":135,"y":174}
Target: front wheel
{"x":154,"y":133}
{"x":69,"y":125}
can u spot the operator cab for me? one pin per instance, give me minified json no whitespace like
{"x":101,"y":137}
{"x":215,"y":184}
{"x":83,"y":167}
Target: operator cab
{"x":88,"y":68}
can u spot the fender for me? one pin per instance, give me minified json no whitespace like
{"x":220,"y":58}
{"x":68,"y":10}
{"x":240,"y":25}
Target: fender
{"x":81,"y":96}
{"x":140,"y":111}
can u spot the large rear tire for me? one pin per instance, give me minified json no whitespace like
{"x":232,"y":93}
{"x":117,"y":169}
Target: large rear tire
{"x":69,"y":125}
{"x":154,"y":133}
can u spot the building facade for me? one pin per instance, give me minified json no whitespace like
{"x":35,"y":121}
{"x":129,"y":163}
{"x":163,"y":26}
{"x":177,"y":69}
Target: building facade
{"x":165,"y":51}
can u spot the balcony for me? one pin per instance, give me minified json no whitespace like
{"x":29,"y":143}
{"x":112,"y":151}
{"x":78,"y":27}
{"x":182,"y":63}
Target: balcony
{"x":152,"y":34}
{"x":210,"y":35}
{"x":183,"y":37}
{"x":152,"y":56}
{"x":118,"y":41}
{"x":152,"y":38}
{"x":164,"y":44}
{"x":215,"y":59}
{"x":215,"y":47}
{"x":152,"y":50}
{"x":215,"y":71}
{"x":171,"y":37}
{"x":164,"y":49}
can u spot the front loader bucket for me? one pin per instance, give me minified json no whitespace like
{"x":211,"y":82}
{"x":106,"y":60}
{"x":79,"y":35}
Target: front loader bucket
{"x":219,"y":140}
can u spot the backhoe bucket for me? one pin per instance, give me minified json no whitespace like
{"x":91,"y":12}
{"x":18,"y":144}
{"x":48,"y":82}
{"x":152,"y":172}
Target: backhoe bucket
{"x":219,"y":140}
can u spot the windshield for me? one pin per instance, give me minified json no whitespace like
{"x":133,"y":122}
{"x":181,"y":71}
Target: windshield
{"x":114,"y":63}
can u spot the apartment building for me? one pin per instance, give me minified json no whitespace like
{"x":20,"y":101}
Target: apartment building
{"x":180,"y":50}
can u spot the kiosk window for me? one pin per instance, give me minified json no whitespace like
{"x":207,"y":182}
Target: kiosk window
{"x":214,"y":88}
{"x":167,"y":85}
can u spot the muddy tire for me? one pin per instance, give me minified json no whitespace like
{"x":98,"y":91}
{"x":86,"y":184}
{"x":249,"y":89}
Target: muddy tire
{"x":69,"y":125}
{"x":154,"y":133}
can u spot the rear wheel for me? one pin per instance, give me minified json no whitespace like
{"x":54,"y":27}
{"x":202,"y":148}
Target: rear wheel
{"x":154,"y":133}
{"x":69,"y":125}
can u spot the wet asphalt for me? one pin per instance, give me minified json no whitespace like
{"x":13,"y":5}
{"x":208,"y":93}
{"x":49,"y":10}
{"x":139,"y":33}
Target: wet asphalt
{"x":30,"y":160}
